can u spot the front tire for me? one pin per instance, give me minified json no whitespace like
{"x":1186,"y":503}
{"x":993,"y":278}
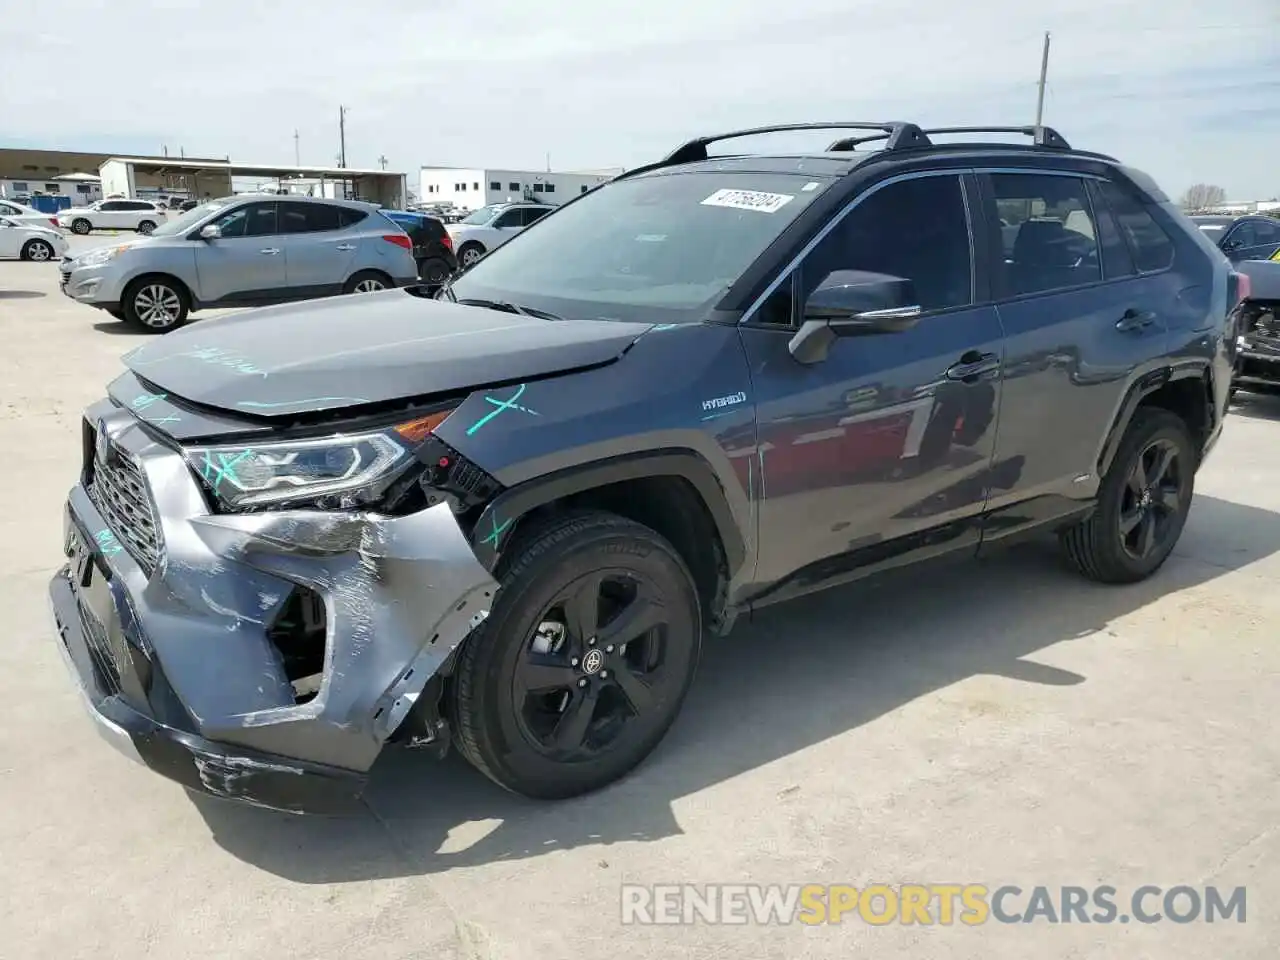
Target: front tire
{"x":37,"y":250}
{"x":1143,"y":502}
{"x":81,"y":226}
{"x":145,"y":227}
{"x":155,"y":304}
{"x":584,"y":661}
{"x":469,"y":254}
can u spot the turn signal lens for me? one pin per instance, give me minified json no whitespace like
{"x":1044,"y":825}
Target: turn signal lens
{"x":415,"y":431}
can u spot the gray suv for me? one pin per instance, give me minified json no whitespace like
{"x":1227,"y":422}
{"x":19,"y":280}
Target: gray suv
{"x":241,"y":252}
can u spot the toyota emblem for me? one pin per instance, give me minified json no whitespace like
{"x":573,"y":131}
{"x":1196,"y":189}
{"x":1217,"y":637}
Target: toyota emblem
{"x":592,"y":662}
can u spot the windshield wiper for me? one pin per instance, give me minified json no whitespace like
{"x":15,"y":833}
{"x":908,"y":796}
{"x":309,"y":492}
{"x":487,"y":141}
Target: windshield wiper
{"x":508,"y":307}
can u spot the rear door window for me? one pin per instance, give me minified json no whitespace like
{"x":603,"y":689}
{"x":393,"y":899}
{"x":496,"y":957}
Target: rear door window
{"x":1048,"y":235}
{"x":307,"y":217}
{"x":1151,"y":247}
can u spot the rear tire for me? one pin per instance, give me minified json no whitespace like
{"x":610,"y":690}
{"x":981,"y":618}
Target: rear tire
{"x":145,"y":227}
{"x":367,"y":281}
{"x":433,"y":270}
{"x":584,"y":661}
{"x":81,"y":226}
{"x":1142,"y":505}
{"x":37,"y":250}
{"x":155,"y":304}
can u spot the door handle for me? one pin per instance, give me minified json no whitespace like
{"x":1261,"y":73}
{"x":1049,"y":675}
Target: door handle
{"x":346,"y":246}
{"x":270,"y":251}
{"x":1135,"y":320}
{"x":972,"y":366}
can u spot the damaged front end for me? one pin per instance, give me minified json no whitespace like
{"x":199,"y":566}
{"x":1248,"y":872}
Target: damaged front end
{"x":1257,"y":354}
{"x":250,"y":645}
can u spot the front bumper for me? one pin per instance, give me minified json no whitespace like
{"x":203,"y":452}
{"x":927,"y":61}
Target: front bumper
{"x":173,"y":647}
{"x":98,"y":286}
{"x":1257,"y":365}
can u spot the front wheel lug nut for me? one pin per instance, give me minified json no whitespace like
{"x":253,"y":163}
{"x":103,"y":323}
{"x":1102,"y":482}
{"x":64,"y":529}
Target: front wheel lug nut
{"x":609,"y":648}
{"x":573,"y":661}
{"x":591,"y":642}
{"x":582,"y":682}
{"x":604,"y":674}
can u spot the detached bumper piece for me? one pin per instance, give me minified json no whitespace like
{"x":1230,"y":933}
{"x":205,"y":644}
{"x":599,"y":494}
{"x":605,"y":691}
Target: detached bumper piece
{"x":264,"y":657}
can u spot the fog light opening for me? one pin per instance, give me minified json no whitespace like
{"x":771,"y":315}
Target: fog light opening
{"x":298,"y":635}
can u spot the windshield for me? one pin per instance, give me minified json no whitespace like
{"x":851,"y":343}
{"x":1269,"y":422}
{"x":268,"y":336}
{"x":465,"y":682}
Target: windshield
{"x":481,"y":216}
{"x":659,"y":247}
{"x":188,"y":220}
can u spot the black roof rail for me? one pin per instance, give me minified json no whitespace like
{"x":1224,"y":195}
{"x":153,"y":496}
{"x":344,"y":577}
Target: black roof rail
{"x":898,"y":133}
{"x":1042,"y":136}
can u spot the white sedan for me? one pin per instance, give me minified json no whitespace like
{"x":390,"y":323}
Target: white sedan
{"x":24,"y":241}
{"x":21,"y":213}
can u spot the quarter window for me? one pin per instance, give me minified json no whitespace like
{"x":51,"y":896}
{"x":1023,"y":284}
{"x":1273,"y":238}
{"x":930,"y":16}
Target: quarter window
{"x":916,"y":229}
{"x":1152,"y":249}
{"x":1049,"y":239}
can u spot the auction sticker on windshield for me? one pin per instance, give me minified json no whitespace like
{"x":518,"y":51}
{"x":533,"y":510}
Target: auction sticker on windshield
{"x":749,"y":200}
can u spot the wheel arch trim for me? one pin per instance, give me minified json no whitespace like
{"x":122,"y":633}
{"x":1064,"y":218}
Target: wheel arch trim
{"x":503,"y":513}
{"x":1143,"y":386}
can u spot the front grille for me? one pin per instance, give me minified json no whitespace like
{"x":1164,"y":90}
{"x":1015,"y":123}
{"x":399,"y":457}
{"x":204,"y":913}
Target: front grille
{"x":120,"y":493}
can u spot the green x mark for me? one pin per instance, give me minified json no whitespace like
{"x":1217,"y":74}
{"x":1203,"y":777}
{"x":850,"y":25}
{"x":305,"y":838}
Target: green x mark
{"x":215,"y":473}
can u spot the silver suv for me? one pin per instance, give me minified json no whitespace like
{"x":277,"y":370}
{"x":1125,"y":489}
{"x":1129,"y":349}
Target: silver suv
{"x":241,"y":252}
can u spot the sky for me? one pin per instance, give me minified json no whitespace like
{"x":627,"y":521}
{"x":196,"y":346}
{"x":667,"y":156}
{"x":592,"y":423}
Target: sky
{"x":1186,"y":90}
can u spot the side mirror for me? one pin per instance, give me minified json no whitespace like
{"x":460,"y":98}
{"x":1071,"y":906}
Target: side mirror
{"x":852,"y":303}
{"x":210,"y":231}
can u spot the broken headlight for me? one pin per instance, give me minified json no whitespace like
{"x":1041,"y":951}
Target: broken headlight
{"x":349,"y":469}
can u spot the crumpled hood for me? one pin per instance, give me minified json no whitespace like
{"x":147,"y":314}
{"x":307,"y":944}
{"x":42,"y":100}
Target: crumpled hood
{"x":365,"y":349}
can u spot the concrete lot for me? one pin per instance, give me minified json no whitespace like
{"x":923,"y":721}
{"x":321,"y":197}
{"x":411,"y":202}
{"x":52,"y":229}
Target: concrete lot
{"x":1002,"y":722}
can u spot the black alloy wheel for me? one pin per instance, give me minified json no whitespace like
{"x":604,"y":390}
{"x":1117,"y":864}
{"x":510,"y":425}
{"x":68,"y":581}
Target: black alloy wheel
{"x":584,"y":661}
{"x":593,"y":667}
{"x":1152,"y":503}
{"x":1142,"y":502}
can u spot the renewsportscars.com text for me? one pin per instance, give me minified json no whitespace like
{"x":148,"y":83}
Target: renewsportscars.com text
{"x":943,"y":904}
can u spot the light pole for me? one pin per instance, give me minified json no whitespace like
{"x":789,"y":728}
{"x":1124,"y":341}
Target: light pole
{"x":1044,"y":73}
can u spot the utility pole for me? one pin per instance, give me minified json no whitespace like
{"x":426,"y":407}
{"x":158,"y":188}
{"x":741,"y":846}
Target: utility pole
{"x":548,"y":163}
{"x":297,"y":152}
{"x":342,"y":136}
{"x":1044,"y":73}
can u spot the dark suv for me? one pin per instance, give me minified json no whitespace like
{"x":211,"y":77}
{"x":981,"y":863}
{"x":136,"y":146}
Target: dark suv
{"x":503,"y":512}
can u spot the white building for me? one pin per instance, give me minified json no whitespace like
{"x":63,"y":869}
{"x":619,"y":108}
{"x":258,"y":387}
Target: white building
{"x":470,"y":189}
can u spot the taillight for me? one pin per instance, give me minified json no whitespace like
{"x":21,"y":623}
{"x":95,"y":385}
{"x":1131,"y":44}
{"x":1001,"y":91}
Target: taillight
{"x":447,"y":241}
{"x":1243,"y":288}
{"x":54,"y":221}
{"x":399,"y":239}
